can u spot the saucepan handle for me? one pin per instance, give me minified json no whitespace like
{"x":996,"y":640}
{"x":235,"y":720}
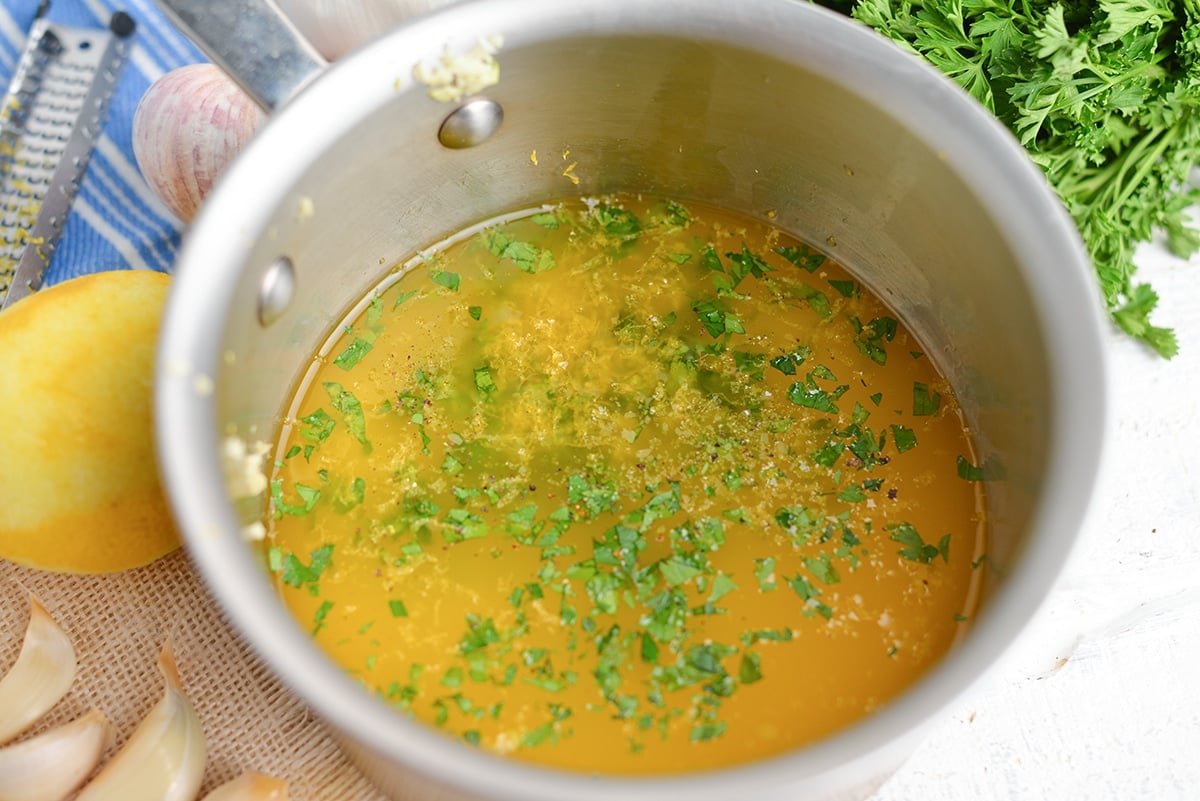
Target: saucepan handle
{"x":253,"y":42}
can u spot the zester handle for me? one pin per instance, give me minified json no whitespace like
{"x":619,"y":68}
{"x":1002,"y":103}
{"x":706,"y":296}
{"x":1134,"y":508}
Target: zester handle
{"x":253,"y":42}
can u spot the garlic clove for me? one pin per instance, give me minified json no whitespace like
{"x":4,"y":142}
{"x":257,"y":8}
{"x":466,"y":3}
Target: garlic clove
{"x":41,"y":675}
{"x":188,"y":126}
{"x":48,"y":767}
{"x":164,"y":758}
{"x":251,"y":786}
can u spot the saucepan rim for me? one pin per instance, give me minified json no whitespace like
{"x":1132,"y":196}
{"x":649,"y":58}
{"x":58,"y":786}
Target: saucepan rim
{"x":1011,"y":188}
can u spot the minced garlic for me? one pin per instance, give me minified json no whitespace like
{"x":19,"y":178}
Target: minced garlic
{"x":454,"y":77}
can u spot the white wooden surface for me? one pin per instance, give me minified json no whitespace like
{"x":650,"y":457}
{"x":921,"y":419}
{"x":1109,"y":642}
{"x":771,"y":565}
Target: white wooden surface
{"x":1101,"y":700}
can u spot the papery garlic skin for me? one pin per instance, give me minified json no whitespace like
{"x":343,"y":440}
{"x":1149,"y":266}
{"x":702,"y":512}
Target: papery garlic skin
{"x":50,"y":766}
{"x":164,"y":758}
{"x":41,"y":675}
{"x":188,"y":126}
{"x":251,"y":786}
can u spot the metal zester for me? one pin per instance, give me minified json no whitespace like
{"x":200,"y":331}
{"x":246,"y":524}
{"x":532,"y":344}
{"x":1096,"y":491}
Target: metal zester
{"x":50,"y":120}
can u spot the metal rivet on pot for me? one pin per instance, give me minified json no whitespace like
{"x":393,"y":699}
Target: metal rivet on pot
{"x":276,"y":290}
{"x":471,"y":123}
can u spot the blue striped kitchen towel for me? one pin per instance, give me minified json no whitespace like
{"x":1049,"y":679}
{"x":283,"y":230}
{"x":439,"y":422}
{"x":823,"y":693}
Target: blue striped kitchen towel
{"x":116,"y":222}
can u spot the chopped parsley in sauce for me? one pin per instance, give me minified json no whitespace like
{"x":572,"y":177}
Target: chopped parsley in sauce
{"x":628,"y":486}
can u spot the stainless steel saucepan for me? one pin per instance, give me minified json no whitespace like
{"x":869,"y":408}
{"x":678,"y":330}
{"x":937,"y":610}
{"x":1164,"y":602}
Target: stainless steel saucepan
{"x":761,"y":106}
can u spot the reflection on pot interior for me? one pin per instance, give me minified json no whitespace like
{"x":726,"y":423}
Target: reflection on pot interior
{"x":627,"y":487}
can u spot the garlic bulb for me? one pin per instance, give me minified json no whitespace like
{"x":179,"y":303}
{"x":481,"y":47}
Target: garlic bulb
{"x":48,"y":767}
{"x":41,"y":675}
{"x":251,"y":786}
{"x":190,"y":124}
{"x":334,"y":27}
{"x":163,"y":759}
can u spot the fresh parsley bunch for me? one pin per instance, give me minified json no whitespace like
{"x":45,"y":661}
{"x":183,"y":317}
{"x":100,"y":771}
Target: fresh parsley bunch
{"x":1105,"y":98}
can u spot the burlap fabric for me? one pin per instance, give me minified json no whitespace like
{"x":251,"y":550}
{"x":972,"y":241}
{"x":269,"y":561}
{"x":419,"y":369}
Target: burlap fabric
{"x":118,"y":623}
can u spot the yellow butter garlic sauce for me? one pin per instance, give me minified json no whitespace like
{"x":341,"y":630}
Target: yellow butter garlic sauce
{"x":628,"y":487}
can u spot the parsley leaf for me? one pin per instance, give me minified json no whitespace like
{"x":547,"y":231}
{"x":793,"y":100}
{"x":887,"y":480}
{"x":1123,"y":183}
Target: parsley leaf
{"x":852,"y":494}
{"x":481,"y":632}
{"x":447,"y":279}
{"x":649,"y":648}
{"x":296,"y":574}
{"x":352,"y":496}
{"x":764,"y":573}
{"x":352,"y":412}
{"x":815,"y":299}
{"x":751,"y":363}
{"x":707,"y":731}
{"x":750,"y":670}
{"x":1104,"y":97}
{"x":484,"y":382}
{"x":717,"y":319}
{"x":617,"y":222}
{"x":846,"y":289}
{"x":675,"y":215}
{"x":788,"y":362}
{"x":710,"y":259}
{"x":828,"y":455}
{"x":915,"y":548}
{"x":822,"y":567}
{"x":746,"y":263}
{"x":317,"y":426}
{"x":804,"y":258}
{"x":403,"y":297}
{"x":308,"y":498}
{"x":353,"y":353}
{"x":811,"y":396}
{"x":926,"y":401}
{"x":904,"y":438}
{"x":722,"y":585}
{"x":528,"y":257}
{"x":989,"y":470}
{"x":596,"y":497}
{"x":869,"y":337}
{"x":676,"y":571}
